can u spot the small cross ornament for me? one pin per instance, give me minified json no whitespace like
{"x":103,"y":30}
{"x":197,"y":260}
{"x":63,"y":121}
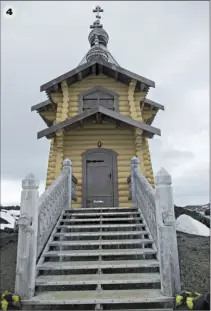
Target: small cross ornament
{"x":97,"y":24}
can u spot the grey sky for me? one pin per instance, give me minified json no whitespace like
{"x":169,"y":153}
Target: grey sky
{"x":167,"y":42}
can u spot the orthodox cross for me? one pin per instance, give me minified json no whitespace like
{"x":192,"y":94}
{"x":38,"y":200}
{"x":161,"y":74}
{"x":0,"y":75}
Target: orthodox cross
{"x":98,"y":10}
{"x":97,"y":24}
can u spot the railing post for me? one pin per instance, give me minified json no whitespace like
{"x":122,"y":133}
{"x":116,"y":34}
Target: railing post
{"x":167,"y":237}
{"x":135,"y":165}
{"x":27,"y":238}
{"x":67,"y":167}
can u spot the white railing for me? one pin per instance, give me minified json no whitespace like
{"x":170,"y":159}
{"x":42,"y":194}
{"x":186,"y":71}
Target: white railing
{"x":38,"y":217}
{"x":156,"y":206}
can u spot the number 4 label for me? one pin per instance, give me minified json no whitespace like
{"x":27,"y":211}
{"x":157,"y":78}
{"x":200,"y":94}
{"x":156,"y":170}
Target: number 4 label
{"x":9,"y":11}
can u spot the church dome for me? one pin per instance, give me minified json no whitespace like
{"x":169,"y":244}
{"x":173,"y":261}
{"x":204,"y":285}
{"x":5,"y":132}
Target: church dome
{"x":102,"y":35}
{"x":98,"y":39}
{"x":96,"y":52}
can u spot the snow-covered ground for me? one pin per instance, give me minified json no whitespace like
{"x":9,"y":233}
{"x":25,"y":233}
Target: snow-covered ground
{"x":10,"y":216}
{"x":185,"y":223}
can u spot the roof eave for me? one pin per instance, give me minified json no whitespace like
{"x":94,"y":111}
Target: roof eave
{"x":153,"y":104}
{"x":78,"y":70}
{"x":147,"y":129}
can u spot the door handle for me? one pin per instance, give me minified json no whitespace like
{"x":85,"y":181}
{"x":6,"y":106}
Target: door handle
{"x":109,"y":175}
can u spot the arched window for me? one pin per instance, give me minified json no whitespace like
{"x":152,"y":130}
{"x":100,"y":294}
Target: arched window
{"x":98,"y":96}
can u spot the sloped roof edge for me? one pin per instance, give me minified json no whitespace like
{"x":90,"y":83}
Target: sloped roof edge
{"x":108,"y":65}
{"x":98,"y":109}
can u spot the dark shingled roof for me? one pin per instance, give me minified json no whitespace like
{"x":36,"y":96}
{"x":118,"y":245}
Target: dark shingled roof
{"x":98,"y":66}
{"x":98,"y":112}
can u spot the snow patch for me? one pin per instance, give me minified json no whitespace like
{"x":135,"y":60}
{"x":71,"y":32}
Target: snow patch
{"x":187,"y":224}
{"x":10,"y":216}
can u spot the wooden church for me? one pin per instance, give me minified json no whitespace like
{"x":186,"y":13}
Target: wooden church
{"x":118,"y":249}
{"x":98,"y":115}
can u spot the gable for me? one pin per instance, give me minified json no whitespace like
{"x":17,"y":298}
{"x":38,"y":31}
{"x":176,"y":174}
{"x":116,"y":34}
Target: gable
{"x":107,"y":86}
{"x":51,"y":110}
{"x":98,"y":67}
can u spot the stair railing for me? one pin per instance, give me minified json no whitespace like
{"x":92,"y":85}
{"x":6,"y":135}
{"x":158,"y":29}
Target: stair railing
{"x":38,"y":217}
{"x":156,"y":205}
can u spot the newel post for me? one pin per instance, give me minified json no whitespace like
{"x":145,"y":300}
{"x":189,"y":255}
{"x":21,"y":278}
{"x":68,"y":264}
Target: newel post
{"x":27,"y":238}
{"x":135,"y":165}
{"x":67,"y":169}
{"x":167,"y":237}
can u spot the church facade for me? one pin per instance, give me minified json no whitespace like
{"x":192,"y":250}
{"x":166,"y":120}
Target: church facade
{"x":98,"y":116}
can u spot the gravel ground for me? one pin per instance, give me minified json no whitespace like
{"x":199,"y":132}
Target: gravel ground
{"x":194,"y":256}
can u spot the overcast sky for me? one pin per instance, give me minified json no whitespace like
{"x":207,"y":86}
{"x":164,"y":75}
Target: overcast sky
{"x":167,"y":42}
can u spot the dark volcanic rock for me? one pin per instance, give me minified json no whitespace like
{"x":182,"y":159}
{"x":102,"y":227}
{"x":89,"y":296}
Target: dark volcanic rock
{"x":8,"y":251}
{"x":194,"y":257}
{"x":12,"y":207}
{"x":207,"y":212}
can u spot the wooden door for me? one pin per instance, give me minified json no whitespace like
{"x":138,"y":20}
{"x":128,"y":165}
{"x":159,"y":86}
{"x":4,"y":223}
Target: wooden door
{"x":99,"y":178}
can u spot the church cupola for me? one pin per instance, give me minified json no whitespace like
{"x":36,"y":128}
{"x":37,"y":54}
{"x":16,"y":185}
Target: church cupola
{"x":98,"y":40}
{"x":97,"y":30}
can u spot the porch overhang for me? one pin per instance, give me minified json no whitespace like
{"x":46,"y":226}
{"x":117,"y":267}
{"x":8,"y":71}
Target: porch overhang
{"x":99,"y":114}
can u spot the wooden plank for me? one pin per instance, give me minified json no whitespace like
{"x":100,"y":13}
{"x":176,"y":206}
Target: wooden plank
{"x":93,"y":297}
{"x":101,"y":233}
{"x":85,"y":279}
{"x":100,"y":264}
{"x":101,"y":252}
{"x":101,"y":226}
{"x":101,"y":242}
{"x":68,"y":220}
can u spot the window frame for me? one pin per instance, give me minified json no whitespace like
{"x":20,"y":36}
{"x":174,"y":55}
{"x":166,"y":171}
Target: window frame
{"x":96,"y":89}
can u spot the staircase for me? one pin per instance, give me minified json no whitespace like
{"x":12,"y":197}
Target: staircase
{"x":102,"y":258}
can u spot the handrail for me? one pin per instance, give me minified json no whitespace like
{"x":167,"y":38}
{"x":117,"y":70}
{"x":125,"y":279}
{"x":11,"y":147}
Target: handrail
{"x":74,"y":184}
{"x":38,"y":217}
{"x":130,"y":188}
{"x":156,"y":206}
{"x":143,"y":197}
{"x":50,"y":205}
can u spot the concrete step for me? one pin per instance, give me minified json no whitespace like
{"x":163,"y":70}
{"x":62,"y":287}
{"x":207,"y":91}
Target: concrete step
{"x":102,"y":233}
{"x":98,"y":264}
{"x":104,"y":214}
{"x":95,"y":297}
{"x":91,"y":279}
{"x":68,"y":220}
{"x":100,"y":252}
{"x":101,"y":226}
{"x":101,"y":242}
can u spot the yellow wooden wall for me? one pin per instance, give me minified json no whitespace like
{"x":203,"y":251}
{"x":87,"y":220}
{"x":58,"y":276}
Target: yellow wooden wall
{"x":126,"y":143}
{"x":100,"y":80}
{"x":120,"y":140}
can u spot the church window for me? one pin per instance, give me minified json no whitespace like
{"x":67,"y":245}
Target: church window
{"x":98,"y":96}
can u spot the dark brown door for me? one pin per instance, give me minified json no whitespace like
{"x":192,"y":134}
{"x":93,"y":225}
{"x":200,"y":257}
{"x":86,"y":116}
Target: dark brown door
{"x":100,"y":178}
